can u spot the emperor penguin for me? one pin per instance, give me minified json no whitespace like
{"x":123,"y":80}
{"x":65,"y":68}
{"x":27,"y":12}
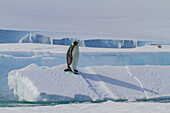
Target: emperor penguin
{"x":72,"y":57}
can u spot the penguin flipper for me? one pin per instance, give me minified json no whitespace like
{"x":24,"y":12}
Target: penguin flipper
{"x":69,"y":55}
{"x":70,"y":58}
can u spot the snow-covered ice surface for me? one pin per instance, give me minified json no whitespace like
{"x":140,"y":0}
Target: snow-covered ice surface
{"x":35,"y":83}
{"x":107,"y":107}
{"x":155,"y":78}
{"x":57,"y":85}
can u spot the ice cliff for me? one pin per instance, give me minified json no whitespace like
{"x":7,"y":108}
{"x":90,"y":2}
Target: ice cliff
{"x":35,"y":38}
{"x":99,"y":43}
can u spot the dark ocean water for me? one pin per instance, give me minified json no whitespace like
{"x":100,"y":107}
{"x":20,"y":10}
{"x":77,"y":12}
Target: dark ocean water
{"x":33,"y":104}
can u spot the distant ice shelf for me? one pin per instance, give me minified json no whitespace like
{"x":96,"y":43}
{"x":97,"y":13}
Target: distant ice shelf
{"x":98,"y":43}
{"x":66,"y":38}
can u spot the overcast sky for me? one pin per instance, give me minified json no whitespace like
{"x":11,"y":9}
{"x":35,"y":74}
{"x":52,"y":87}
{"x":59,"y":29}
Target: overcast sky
{"x":132,"y":19}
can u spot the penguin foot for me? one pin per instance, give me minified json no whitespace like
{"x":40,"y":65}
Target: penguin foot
{"x":76,"y":70}
{"x":75,"y":73}
{"x":67,"y":69}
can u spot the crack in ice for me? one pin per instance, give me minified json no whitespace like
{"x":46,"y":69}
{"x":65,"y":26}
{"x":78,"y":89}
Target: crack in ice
{"x":139,"y":82}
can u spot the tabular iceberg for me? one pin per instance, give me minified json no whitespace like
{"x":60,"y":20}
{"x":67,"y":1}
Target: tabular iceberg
{"x":35,"y":83}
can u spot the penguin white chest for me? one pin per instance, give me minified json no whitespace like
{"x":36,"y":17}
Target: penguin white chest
{"x":75,"y":58}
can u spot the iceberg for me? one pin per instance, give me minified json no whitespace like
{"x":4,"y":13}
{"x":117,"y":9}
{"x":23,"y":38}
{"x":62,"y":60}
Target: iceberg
{"x":41,"y":83}
{"x":97,"y":43}
{"x":35,"y":38}
{"x":35,"y":83}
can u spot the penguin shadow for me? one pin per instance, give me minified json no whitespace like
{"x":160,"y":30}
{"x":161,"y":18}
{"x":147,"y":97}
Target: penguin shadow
{"x":98,"y":77}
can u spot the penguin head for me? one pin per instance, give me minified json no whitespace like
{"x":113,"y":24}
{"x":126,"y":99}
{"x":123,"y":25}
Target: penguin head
{"x":75,"y":43}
